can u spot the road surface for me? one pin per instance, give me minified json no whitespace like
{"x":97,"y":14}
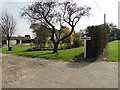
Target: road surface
{"x":26,"y":72}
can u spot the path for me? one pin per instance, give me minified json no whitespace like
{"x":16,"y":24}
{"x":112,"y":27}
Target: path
{"x":25,"y":72}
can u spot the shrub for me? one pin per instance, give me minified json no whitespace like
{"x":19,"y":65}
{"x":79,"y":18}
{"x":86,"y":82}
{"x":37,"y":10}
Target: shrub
{"x":69,"y":40}
{"x":76,"y":41}
{"x":98,"y":42}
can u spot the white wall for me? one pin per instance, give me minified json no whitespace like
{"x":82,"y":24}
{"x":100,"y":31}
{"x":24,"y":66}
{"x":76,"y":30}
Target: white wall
{"x":12,"y":41}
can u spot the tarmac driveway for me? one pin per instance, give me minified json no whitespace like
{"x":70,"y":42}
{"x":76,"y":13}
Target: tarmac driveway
{"x":26,"y":72}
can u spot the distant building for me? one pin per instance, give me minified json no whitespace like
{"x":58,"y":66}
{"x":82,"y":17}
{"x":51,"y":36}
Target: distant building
{"x":27,"y":36}
{"x":17,"y":39}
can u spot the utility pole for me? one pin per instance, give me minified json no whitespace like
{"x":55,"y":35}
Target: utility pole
{"x":105,"y":26}
{"x":104,"y":19}
{"x":119,"y":14}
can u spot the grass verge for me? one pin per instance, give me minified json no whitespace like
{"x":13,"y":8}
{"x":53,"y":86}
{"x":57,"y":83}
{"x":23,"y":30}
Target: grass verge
{"x":63,"y":54}
{"x":113,"y":51}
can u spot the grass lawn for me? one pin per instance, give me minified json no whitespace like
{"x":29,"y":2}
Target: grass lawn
{"x":113,"y":50}
{"x":0,"y":49}
{"x":63,"y":54}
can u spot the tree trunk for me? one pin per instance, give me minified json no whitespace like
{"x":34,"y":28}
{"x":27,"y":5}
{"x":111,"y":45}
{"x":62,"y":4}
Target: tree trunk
{"x":8,"y":44}
{"x":55,"y":47}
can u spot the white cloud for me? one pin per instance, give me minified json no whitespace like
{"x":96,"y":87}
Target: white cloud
{"x":23,"y":29}
{"x":99,"y":7}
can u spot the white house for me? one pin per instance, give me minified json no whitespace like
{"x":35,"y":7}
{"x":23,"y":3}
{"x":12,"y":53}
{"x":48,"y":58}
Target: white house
{"x":17,"y":40}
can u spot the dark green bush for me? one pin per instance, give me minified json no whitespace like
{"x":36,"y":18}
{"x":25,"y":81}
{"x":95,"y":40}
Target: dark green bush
{"x":98,"y":42}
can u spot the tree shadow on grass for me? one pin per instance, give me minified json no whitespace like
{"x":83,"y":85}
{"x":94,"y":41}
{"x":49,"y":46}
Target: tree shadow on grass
{"x":80,"y":61}
{"x":34,"y":55}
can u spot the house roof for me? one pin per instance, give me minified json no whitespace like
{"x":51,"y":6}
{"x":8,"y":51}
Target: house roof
{"x":17,"y":38}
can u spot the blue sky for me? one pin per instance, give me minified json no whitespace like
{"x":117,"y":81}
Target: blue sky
{"x":13,"y":8}
{"x":99,"y":7}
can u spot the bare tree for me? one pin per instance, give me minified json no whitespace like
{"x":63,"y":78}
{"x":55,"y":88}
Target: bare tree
{"x":54,"y":14}
{"x":8,"y":24}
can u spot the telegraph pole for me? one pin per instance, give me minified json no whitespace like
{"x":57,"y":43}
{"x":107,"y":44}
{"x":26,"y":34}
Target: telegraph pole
{"x":119,"y":14}
{"x":105,"y":26}
{"x":104,"y":19}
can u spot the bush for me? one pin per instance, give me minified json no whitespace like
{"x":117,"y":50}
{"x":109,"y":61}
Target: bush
{"x":69,"y":40}
{"x":98,"y":42}
{"x":76,"y":41}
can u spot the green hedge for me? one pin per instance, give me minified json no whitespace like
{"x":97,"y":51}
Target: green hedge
{"x":98,"y":42}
